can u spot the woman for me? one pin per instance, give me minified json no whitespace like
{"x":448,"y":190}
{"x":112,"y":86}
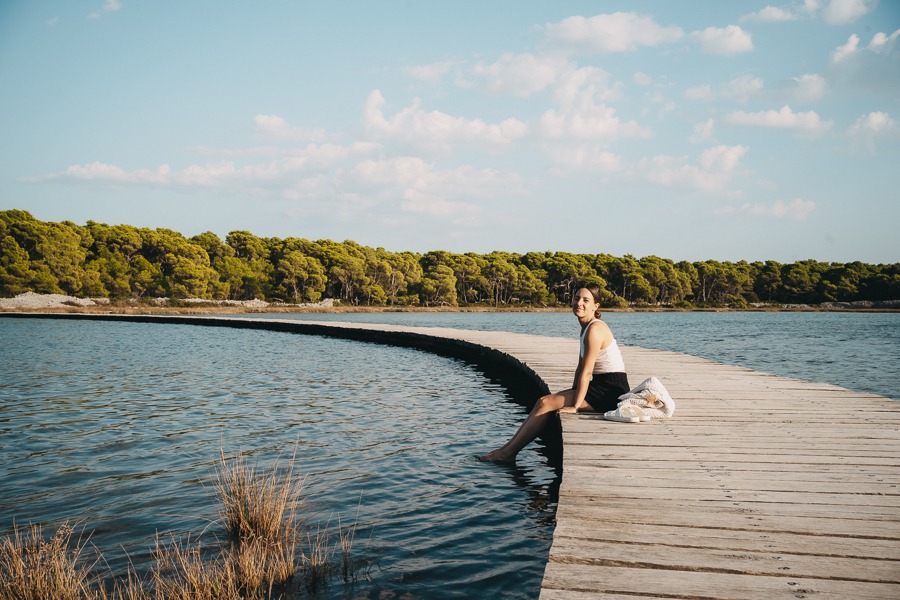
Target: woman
{"x":599,"y":379}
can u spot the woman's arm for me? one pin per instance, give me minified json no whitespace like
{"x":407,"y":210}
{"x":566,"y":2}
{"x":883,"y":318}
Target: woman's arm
{"x":577,"y":373}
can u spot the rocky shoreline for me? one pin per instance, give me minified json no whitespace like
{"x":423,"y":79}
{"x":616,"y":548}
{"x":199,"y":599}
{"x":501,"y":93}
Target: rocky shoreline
{"x":37,"y":302}
{"x":32,"y":301}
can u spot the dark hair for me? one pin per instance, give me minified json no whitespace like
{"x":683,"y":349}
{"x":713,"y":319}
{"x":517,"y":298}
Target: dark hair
{"x":594,"y":289}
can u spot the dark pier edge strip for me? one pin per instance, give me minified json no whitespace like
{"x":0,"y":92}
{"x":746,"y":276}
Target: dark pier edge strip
{"x":520,"y":380}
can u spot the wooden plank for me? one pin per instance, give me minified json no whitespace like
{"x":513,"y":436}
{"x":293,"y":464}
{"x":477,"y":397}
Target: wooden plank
{"x":689,"y":556}
{"x":781,"y":482}
{"x":600,"y":452}
{"x":678,"y":583}
{"x":864,"y":523}
{"x":799,"y":475}
{"x":672,"y":536}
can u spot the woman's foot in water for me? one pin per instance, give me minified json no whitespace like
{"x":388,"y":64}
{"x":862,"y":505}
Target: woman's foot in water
{"x":498,"y":456}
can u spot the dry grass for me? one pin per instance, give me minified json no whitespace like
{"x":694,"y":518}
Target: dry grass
{"x":35,"y":568}
{"x":258,"y":505}
{"x":266,"y":552}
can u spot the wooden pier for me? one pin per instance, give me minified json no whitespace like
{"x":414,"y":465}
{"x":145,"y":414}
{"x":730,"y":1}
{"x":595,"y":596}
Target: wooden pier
{"x":760,"y":487}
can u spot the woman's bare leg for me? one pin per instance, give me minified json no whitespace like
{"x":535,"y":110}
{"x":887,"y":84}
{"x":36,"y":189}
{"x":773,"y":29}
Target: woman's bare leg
{"x":531,"y":427}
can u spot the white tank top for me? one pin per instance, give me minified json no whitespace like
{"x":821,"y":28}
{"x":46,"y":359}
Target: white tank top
{"x":609,"y":359}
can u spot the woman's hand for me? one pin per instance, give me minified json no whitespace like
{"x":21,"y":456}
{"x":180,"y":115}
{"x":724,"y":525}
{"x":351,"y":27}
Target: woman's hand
{"x":568,"y":409}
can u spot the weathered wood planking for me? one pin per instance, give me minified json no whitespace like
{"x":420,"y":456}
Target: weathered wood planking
{"x":759,"y":487}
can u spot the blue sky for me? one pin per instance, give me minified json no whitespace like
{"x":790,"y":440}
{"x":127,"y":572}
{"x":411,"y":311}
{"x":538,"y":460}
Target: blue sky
{"x":688,"y":130}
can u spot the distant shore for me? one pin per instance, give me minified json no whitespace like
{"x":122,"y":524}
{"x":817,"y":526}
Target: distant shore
{"x":31,"y":302}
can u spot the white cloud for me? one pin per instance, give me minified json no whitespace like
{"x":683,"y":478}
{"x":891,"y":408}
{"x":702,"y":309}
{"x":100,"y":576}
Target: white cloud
{"x":871,"y":68}
{"x":785,"y":118}
{"x":797,"y":209}
{"x":642,"y":79}
{"x":842,"y":53}
{"x":579,"y":93}
{"x":276,"y":127}
{"x":109,"y":6}
{"x":525,"y":74}
{"x":835,"y":12}
{"x":283,"y":168}
{"x":520,"y":74}
{"x":839,"y":12}
{"x":882,"y":43}
{"x":458,"y":213}
{"x":617,"y":32}
{"x":589,"y":121}
{"x":726,"y":41}
{"x":427,"y":190}
{"x":435,"y":129}
{"x":700,"y":92}
{"x":580,"y":96}
{"x":742,"y":89}
{"x":325,"y":155}
{"x":210,"y":174}
{"x":722,"y":159}
{"x":810,"y":7}
{"x":582,"y":113}
{"x":808,"y":88}
{"x":714,"y":169}
{"x":585,"y":86}
{"x":666,"y":109}
{"x":331,"y":179}
{"x":703,"y":131}
{"x":571,"y":158}
{"x":874,"y":122}
{"x":100,"y":171}
{"x":770,"y":14}
{"x":433,"y":72}
{"x":867,"y":129}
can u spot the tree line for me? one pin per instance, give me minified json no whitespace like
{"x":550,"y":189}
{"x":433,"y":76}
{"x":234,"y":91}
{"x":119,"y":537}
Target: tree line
{"x":126,"y":262}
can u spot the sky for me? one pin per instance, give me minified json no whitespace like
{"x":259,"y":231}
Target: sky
{"x":688,"y":130}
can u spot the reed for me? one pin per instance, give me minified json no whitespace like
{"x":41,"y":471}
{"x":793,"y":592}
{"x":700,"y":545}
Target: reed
{"x":33,"y":567}
{"x":257,"y":505}
{"x":266,"y":553}
{"x":346,"y":542}
{"x":183,"y":572}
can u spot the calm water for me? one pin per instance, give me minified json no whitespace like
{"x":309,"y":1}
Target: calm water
{"x":119,"y":425}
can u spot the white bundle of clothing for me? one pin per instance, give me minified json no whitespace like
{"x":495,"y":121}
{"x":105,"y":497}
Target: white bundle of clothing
{"x":650,"y":399}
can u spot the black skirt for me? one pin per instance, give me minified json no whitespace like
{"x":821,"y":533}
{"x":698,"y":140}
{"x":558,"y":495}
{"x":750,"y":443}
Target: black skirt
{"x":604,"y":391}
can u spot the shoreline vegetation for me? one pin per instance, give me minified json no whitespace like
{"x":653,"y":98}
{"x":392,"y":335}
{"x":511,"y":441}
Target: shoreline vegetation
{"x":265,"y":549}
{"x":132,"y":268}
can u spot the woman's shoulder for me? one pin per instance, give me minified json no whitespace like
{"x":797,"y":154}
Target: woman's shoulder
{"x":599,"y":329}
{"x":600,"y":323}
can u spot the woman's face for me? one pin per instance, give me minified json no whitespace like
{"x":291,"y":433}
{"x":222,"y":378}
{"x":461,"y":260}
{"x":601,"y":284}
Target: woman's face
{"x":583,"y":304}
